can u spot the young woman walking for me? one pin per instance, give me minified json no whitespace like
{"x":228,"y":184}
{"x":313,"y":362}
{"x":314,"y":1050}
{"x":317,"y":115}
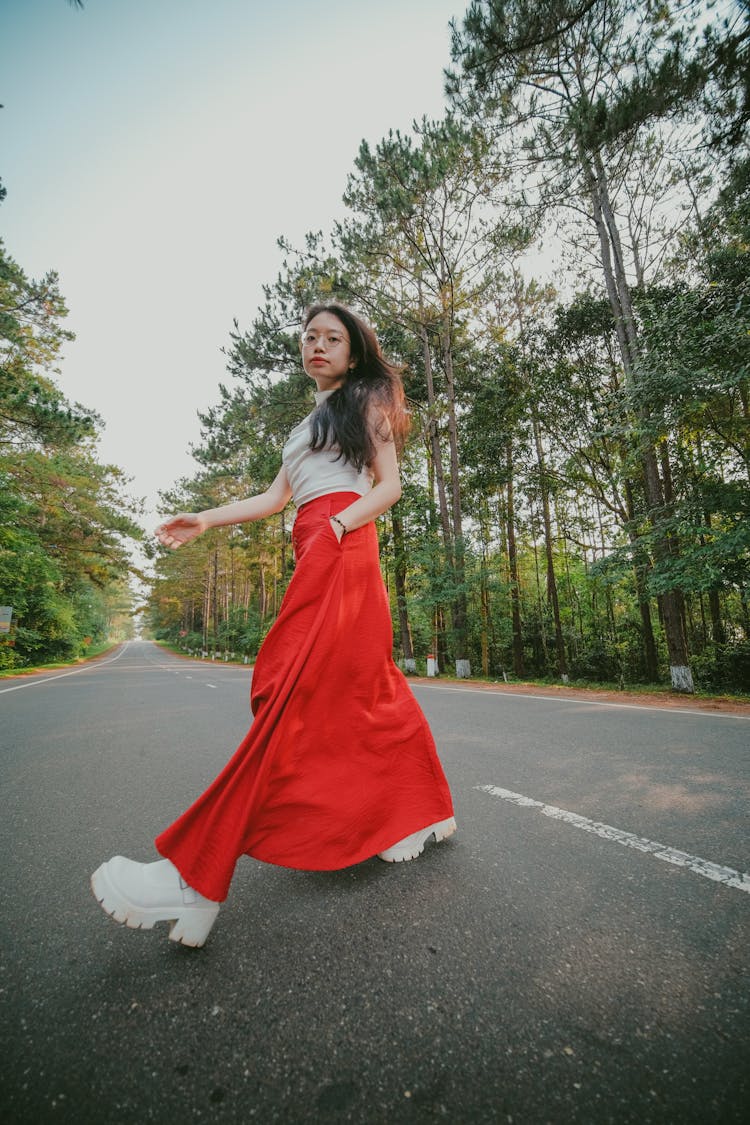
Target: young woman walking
{"x":339,"y":764}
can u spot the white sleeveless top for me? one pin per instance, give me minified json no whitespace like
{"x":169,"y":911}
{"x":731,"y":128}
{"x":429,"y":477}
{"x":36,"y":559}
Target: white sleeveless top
{"x":316,"y":473}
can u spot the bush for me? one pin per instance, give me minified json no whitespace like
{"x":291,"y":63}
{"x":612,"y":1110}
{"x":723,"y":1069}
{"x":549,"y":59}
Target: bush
{"x":724,"y":668}
{"x":595,"y":659}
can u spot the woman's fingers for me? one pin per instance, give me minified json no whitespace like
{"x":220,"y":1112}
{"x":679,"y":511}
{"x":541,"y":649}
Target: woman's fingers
{"x":178,"y":530}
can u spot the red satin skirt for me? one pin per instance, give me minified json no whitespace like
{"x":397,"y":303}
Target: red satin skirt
{"x":339,"y":763}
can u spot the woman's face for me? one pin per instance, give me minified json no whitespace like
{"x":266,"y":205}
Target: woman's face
{"x":326,"y":351}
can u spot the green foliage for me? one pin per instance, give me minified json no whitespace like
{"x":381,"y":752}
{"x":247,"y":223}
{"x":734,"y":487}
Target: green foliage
{"x":64,"y":523}
{"x":577,"y":465}
{"x":33,"y":410}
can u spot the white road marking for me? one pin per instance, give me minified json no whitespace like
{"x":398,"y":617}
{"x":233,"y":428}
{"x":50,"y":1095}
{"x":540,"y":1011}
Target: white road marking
{"x":714,"y":871}
{"x":211,"y":686}
{"x":61,"y":675}
{"x":586,"y":702}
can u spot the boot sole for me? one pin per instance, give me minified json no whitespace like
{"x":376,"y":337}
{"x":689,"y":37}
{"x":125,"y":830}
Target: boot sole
{"x":189,"y":925}
{"x":400,"y":853}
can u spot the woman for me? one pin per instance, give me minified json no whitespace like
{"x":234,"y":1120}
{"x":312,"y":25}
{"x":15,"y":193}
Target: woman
{"x":339,"y":764}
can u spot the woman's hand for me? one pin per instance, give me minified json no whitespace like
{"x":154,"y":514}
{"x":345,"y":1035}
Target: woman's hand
{"x":180,"y":529}
{"x":338,"y":529}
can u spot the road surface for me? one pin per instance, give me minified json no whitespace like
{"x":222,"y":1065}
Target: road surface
{"x":577,"y":952}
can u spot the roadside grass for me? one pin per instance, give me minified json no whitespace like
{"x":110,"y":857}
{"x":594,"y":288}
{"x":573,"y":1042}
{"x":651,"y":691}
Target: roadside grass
{"x":595,"y":686}
{"x":608,"y":686}
{"x":29,"y":669}
{"x":549,"y":683}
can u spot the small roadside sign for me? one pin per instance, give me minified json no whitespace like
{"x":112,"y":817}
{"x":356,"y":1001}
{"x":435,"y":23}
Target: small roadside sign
{"x":6,"y":612}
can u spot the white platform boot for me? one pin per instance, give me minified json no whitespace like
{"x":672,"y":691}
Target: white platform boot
{"x":412,"y":846}
{"x":140,"y":894}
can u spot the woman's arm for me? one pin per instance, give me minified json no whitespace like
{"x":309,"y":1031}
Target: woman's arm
{"x":382,"y":496}
{"x":186,"y":526}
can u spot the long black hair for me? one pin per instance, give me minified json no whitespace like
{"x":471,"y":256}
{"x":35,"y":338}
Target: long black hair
{"x":372,"y":390}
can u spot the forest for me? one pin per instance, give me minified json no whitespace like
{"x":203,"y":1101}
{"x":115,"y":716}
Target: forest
{"x":66,"y":524}
{"x":560,"y":265}
{"x":576,"y":487}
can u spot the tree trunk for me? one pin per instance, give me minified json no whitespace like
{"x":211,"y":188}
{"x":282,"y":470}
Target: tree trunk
{"x":640,"y":570}
{"x":485,"y":616}
{"x":437,"y":466}
{"x":215,"y":600}
{"x":618,"y":293}
{"x":562,"y":662}
{"x":460,"y":611}
{"x":436,"y":451}
{"x":544,"y":659}
{"x":441,"y":646}
{"x":206,"y":603}
{"x":399,"y":577}
{"x":718,"y":632}
{"x":515,"y":587}
{"x":262,"y":593}
{"x":283,"y":546}
{"x":484,"y":593}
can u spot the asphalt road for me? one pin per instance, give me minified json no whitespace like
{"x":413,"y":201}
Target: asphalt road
{"x":537,"y":967}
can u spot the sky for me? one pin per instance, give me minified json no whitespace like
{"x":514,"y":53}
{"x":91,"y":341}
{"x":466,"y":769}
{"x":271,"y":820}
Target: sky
{"x":153,"y":151}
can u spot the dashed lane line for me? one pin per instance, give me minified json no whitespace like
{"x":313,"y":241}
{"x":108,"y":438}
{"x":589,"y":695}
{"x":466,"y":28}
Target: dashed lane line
{"x":714,"y":871}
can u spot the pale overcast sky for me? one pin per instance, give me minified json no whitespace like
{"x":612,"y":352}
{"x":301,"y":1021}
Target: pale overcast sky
{"x":154,"y":150}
